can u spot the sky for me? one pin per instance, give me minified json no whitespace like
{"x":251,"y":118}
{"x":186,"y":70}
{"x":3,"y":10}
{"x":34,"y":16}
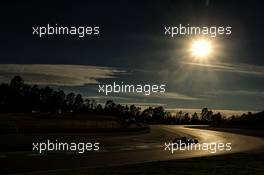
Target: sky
{"x":133,"y":49}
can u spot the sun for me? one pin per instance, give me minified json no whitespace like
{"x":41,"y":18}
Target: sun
{"x":201,"y":48}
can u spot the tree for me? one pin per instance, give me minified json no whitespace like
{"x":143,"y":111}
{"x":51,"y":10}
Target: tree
{"x":93,"y":104}
{"x":134,"y":111}
{"x":109,"y":104}
{"x":46,"y":99}
{"x":16,"y":85}
{"x":158,"y":114}
{"x":35,"y":98}
{"x":58,"y":99}
{"x":4,"y":97}
{"x":78,"y":103}
{"x":186,"y":118}
{"x":206,"y":115}
{"x":217,"y":118}
{"x":69,"y":102}
{"x":195,"y":118}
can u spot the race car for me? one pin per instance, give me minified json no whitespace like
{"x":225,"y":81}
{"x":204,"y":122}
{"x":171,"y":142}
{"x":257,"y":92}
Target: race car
{"x":185,"y":140}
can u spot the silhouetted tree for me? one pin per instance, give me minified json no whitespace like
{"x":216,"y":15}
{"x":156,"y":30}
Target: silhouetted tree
{"x":158,"y":114}
{"x":216,"y":119}
{"x":78,"y":103}
{"x":69,"y":102}
{"x":186,"y":118}
{"x":16,"y":85}
{"x":20,"y":97}
{"x":195,"y":118}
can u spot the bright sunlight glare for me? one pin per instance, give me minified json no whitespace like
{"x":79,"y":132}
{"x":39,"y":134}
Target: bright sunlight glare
{"x":201,"y":48}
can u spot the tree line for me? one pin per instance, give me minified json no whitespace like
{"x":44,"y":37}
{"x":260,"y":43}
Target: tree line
{"x":17,"y":96}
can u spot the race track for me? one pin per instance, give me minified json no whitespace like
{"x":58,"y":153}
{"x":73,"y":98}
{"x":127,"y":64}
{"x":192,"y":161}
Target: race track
{"x":121,"y":150}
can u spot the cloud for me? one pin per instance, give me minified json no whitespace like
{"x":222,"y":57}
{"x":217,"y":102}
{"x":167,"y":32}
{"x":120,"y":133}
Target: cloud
{"x":61,"y":75}
{"x":108,"y":98}
{"x":144,"y":105}
{"x":134,"y":96}
{"x":167,"y":95}
{"x":237,"y":93}
{"x":234,"y":68}
{"x":173,"y":95}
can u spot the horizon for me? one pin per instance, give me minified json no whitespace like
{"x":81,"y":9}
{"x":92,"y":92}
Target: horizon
{"x":86,"y":85}
{"x":173,"y":110}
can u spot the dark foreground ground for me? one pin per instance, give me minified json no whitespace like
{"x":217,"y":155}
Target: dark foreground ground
{"x":237,"y":164}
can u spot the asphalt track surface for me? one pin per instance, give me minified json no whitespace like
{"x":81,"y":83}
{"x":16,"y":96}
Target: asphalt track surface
{"x":122,"y":150}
